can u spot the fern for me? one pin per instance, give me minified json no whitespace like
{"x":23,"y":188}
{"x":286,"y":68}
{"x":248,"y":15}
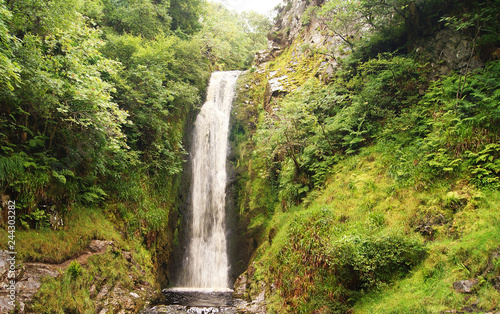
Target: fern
{"x":485,"y":166}
{"x":11,"y":167}
{"x":93,"y":195}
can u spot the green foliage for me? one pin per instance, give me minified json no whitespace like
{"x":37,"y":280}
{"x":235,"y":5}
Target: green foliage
{"x":81,"y":225}
{"x":374,"y":169}
{"x":39,"y":218}
{"x":74,"y":270}
{"x":137,"y":17}
{"x":71,"y":292}
{"x":92,"y":195}
{"x":350,"y":20}
{"x":186,"y":15}
{"x":94,"y":100}
{"x":42,"y":17}
{"x":10,"y":168}
{"x":229,"y":40}
{"x":465,"y":131}
{"x":318,"y":261}
{"x":9,"y":70}
{"x":485,"y":166}
{"x":441,"y":162}
{"x":256,"y":26}
{"x":374,"y":260}
{"x":316,"y":125}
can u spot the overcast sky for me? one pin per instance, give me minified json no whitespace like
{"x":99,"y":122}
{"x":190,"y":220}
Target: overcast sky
{"x":261,"y":6}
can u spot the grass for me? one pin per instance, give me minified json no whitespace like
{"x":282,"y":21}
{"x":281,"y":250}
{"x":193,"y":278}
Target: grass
{"x":81,"y":226}
{"x":76,"y":289}
{"x":429,"y":287}
{"x":361,"y":201}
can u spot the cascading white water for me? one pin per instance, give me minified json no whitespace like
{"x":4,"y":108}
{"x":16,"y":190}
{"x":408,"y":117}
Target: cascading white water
{"x":206,"y":260}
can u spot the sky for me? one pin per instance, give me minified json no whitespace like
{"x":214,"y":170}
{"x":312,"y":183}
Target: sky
{"x":261,"y":6}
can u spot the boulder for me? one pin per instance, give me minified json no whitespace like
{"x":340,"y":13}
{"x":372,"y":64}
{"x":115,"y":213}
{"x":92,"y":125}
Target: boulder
{"x":98,"y":245}
{"x":465,"y":286}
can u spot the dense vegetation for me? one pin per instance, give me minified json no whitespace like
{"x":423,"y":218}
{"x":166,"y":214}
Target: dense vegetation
{"x":94,"y":99}
{"x":376,"y":188}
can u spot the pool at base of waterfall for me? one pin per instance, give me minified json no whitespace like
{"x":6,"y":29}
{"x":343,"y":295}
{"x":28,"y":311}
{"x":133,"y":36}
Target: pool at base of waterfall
{"x":181,"y":309}
{"x":199,"y":297}
{"x":203,"y":301}
{"x":196,"y":300}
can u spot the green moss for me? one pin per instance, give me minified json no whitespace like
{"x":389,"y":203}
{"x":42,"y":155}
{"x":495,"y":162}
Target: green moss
{"x":82,"y":226}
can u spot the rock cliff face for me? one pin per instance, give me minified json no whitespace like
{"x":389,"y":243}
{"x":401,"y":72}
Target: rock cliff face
{"x":298,"y":27}
{"x":294,"y":26}
{"x":303,"y":44}
{"x":292,"y":22}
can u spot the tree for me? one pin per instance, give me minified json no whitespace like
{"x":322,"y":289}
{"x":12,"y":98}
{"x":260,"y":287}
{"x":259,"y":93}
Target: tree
{"x":350,"y":20}
{"x":229,"y":40}
{"x":186,"y":15}
{"x":144,"y":18}
{"x":256,"y":26}
{"x":9,"y":71}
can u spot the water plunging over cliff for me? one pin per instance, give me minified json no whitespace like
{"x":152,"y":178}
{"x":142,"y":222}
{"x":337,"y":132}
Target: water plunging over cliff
{"x":205,"y":263}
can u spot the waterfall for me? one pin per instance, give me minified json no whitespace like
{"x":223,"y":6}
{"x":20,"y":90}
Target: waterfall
{"x":205,"y":263}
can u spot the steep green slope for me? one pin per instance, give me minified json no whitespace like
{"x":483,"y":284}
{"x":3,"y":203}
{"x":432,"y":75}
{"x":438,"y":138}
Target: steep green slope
{"x":373,"y":187}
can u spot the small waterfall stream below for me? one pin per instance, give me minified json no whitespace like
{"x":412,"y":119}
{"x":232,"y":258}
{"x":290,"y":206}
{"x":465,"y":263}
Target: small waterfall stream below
{"x":203,"y":280}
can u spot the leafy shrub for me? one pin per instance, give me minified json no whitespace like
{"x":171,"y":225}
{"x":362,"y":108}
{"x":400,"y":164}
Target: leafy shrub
{"x":74,"y":270}
{"x":370,"y":260}
{"x":319,"y":261}
{"x":39,"y":218}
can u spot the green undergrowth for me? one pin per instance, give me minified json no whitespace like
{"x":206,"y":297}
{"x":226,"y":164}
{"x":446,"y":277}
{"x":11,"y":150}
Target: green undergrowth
{"x":75,"y":290}
{"x":373,"y":193}
{"x":82,"y":226}
{"x":471,"y":256}
{"x":362,"y":243}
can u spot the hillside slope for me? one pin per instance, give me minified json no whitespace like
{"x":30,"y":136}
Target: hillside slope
{"x":367,"y":159}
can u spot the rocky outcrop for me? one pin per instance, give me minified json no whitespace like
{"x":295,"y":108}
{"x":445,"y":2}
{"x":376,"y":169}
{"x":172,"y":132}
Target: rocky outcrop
{"x":29,"y":276}
{"x":250,"y":298}
{"x":20,"y":287}
{"x":449,"y":50}
{"x":118,"y":299}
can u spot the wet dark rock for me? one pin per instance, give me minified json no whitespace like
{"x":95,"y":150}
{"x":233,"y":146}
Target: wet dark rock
{"x":179,"y":300}
{"x":451,"y":50}
{"x":240,"y":286}
{"x":180,"y":309}
{"x":426,"y":227}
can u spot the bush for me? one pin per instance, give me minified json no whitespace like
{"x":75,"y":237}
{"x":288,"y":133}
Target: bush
{"x":373,"y":260}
